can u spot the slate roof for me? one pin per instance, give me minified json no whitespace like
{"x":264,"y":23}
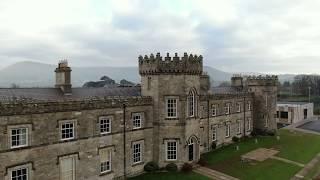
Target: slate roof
{"x":225,"y":90}
{"x":55,"y":94}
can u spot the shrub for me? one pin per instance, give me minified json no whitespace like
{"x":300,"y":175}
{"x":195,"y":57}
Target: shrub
{"x":235,"y":139}
{"x":271,"y":132}
{"x":186,"y":167}
{"x":213,"y":145}
{"x":151,"y":167}
{"x":171,"y":167}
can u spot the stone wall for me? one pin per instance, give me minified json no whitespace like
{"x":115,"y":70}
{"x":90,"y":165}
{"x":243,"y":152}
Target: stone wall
{"x":46,"y":148}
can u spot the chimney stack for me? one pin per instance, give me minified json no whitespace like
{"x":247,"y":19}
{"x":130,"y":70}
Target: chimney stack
{"x":63,"y":77}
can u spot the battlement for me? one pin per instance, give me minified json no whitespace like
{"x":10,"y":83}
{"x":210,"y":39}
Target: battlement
{"x":187,"y":64}
{"x":239,"y":80}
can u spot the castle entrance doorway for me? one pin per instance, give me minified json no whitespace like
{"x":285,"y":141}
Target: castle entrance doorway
{"x":193,"y":149}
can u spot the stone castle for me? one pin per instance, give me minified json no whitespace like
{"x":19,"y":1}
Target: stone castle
{"x":110,"y":133}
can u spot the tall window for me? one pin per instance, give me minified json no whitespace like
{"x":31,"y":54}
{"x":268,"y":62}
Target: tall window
{"x":105,"y":160}
{"x":214,"y":132}
{"x":137,"y":119}
{"x":249,"y":105}
{"x":239,"y":127}
{"x":228,"y":130}
{"x":227,"y":108}
{"x":266,"y":121}
{"x":214,"y":110}
{"x":67,"y":130}
{"x":171,"y":150}
{"x":67,"y":168}
{"x":191,"y":103}
{"x":248,"y":124}
{"x":20,"y":174}
{"x":105,"y":125}
{"x":238,"y":107}
{"x":19,"y":137}
{"x":171,"y":107}
{"x":149,"y":83}
{"x":137,"y":153}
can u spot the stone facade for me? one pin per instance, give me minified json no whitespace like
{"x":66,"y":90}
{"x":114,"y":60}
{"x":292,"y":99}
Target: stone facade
{"x":179,"y":117}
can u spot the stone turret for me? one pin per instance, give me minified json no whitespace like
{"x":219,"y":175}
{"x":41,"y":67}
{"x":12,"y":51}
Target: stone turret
{"x":187,"y":64}
{"x":63,"y":77}
{"x":264,"y":89}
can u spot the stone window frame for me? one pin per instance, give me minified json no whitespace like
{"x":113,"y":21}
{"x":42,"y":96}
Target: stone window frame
{"x":28,"y":166}
{"x":107,"y":117}
{"x":248,"y":124}
{"x":214,"y":130}
{"x":227,"y":108}
{"x":28,"y":128}
{"x":141,"y":152}
{"x":249,"y":105}
{"x":74,"y":122}
{"x":109,"y":151}
{"x":176,"y":98}
{"x":141,"y":114}
{"x":214,"y":108}
{"x":191,"y":102}
{"x":238,"y":104}
{"x":176,"y":149}
{"x":228,"y":129}
{"x":239,"y":127}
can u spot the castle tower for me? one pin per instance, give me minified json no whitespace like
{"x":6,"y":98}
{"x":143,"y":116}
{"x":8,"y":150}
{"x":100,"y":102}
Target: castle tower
{"x":264,"y":89}
{"x":174,"y":84}
{"x":63,"y":77}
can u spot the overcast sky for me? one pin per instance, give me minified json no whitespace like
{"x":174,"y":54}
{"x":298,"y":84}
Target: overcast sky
{"x":270,"y":36}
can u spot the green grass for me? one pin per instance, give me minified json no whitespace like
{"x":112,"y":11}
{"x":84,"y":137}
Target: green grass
{"x":295,"y":146}
{"x":170,"y":176}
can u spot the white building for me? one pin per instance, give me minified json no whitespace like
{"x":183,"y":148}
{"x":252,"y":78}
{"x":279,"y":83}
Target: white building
{"x":293,"y":112}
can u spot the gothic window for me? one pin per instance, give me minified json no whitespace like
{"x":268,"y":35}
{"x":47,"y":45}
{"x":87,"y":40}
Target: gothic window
{"x":191,"y":104}
{"x":105,"y":124}
{"x":149,"y":83}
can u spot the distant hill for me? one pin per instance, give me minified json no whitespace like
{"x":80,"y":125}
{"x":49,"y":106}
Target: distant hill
{"x":33,"y":74}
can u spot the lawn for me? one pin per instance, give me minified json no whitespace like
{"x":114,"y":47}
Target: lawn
{"x":295,"y":146}
{"x":170,"y":176}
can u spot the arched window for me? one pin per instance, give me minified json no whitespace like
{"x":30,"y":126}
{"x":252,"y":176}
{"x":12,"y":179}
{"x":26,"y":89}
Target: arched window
{"x":191,"y":103}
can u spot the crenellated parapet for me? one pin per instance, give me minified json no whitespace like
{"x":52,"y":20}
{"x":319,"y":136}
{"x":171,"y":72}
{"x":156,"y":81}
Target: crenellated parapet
{"x":254,"y":80}
{"x":187,"y":64}
{"x":23,"y":107}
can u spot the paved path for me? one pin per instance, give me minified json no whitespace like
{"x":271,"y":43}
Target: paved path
{"x":303,"y":172}
{"x":295,"y":125}
{"x":216,"y":175}
{"x":287,"y":161}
